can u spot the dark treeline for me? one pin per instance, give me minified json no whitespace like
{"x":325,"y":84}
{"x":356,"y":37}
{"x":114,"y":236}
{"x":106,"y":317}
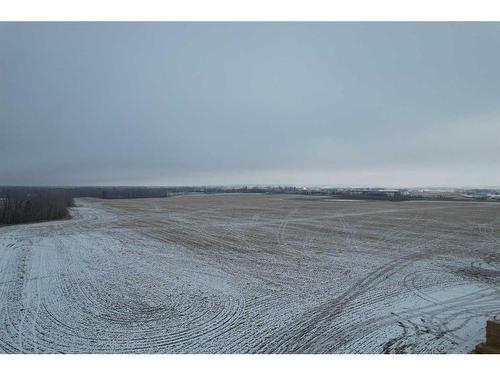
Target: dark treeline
{"x":25,"y":205}
{"x":121,"y":192}
{"x":29,"y":204}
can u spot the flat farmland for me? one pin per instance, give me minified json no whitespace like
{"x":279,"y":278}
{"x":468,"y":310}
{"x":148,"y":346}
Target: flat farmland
{"x":250,"y":273}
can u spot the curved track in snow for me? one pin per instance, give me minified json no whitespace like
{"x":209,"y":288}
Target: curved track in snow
{"x":251,"y":274}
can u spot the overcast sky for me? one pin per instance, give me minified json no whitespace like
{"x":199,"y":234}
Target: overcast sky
{"x":401,"y":104}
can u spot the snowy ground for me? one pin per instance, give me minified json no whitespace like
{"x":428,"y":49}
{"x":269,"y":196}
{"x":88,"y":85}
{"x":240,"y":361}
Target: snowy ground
{"x":251,"y":274}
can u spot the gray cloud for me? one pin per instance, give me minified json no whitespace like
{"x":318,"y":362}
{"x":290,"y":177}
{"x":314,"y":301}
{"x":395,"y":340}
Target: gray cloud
{"x":222,"y":103}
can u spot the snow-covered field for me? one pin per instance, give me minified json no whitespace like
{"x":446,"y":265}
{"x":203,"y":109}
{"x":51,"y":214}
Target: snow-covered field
{"x":251,"y":274}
